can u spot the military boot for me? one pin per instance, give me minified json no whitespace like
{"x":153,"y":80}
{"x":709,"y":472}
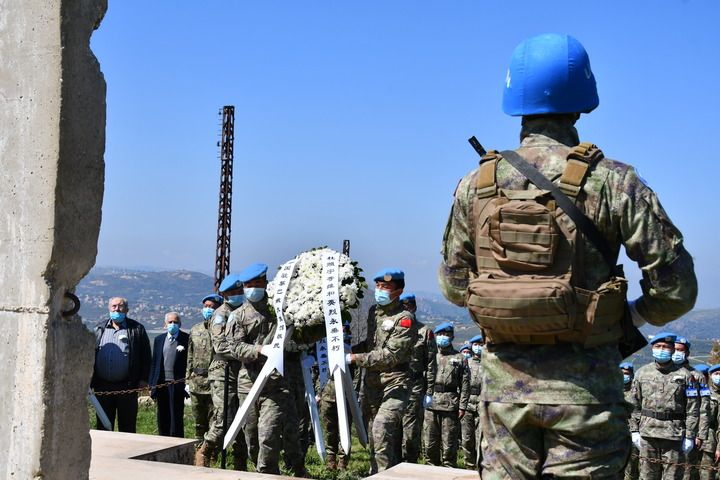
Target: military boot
{"x":239,"y":458}
{"x":202,"y":456}
{"x":343,"y":463}
{"x":330,"y":462}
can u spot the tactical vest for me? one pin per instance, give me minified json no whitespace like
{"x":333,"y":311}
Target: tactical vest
{"x":526,"y":289}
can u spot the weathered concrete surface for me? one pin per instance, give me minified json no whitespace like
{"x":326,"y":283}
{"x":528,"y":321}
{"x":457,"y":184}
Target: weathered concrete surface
{"x":52,"y":123}
{"x":122,"y":456}
{"x":404,"y":471}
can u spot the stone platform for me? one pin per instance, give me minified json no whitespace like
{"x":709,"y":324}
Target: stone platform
{"x":117,"y":456}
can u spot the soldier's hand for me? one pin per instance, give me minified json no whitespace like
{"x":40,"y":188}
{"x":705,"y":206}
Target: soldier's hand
{"x":698,"y":443}
{"x":349,"y":358}
{"x":717,"y":456}
{"x":461,"y":413}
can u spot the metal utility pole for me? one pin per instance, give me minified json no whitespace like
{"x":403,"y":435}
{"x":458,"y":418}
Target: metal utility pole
{"x":222,"y":252}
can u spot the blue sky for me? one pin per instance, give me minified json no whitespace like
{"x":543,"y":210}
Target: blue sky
{"x":352,"y":120}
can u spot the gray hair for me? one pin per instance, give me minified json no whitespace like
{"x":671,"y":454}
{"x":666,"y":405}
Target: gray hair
{"x":173,"y":314}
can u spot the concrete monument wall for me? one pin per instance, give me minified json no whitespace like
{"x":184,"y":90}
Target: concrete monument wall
{"x":52,"y":136}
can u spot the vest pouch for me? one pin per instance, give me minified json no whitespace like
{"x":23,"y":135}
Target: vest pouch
{"x":523,"y":233}
{"x":605,"y":310}
{"x":522,"y":305}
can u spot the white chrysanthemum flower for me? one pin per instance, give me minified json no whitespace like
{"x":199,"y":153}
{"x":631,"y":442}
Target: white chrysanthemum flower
{"x":303,"y":302}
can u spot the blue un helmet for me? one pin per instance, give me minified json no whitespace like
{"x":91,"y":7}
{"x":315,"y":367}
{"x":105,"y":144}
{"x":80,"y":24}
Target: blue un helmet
{"x":549,"y":74}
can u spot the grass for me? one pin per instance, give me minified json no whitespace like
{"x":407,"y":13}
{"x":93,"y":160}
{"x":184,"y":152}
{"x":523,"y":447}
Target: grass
{"x":358,"y":467}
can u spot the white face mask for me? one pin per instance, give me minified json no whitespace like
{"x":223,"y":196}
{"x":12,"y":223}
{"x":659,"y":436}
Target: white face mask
{"x":477,"y":349}
{"x":715,"y":378}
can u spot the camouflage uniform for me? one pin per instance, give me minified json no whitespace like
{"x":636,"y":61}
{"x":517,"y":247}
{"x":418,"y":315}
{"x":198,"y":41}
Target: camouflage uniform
{"x":395,"y":335}
{"x":329,"y":413}
{"x":442,"y":425}
{"x":666,"y":409}
{"x":370,"y":387}
{"x":570,"y":395}
{"x":470,"y":423}
{"x":422,"y":374}
{"x":250,"y":429}
{"x":200,"y":355}
{"x":632,"y":469}
{"x":694,"y":456}
{"x":301,"y":423}
{"x":216,"y":375}
{"x":710,"y":445}
{"x":254,"y":324}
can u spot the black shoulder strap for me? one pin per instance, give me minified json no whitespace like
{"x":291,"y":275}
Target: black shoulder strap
{"x":582,"y":222}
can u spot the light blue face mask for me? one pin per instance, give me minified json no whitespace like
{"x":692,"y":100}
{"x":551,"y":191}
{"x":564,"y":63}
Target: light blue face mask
{"x":678,"y":358}
{"x":661,"y":355}
{"x":118,"y":317}
{"x":443,"y":341}
{"x":207,"y":312}
{"x":235,"y":300}
{"x":382,"y":297}
{"x":467,"y":355}
{"x":173,"y":328}
{"x":715,"y":379}
{"x":254,"y":294}
{"x":626,"y":379}
{"x":477,"y":349}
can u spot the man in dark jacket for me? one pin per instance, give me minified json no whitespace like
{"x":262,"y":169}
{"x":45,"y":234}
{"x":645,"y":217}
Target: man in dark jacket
{"x":168,"y":364}
{"x":122,"y":361}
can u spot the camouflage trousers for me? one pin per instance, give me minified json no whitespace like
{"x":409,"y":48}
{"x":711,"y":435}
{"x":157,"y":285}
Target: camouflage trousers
{"x":666,"y":453}
{"x":275,"y":409}
{"x":413,"y":424}
{"x":370,"y":399}
{"x":302,"y":423}
{"x":632,"y":469}
{"x":707,"y":460}
{"x":693,"y":458}
{"x":250,"y":429}
{"x":387,"y":427}
{"x":202,"y":410}
{"x":441,"y":434}
{"x":214,"y":435}
{"x":471,"y":435}
{"x":329,"y":413}
{"x":535,"y":440}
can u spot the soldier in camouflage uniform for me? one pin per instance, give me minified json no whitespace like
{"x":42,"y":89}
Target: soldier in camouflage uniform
{"x":232,"y":290}
{"x":665,"y":416}
{"x":567,"y":393}
{"x":370,"y":395}
{"x":395,"y":336}
{"x":200,"y":355}
{"x":470,"y":401}
{"x":710,"y":451}
{"x":422,"y":374}
{"x":251,"y":327}
{"x":681,"y":358}
{"x":632,"y":469}
{"x":443,"y":411}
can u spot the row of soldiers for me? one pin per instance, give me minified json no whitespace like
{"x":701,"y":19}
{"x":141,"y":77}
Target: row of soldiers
{"x":414,"y":387}
{"x":674,"y":415}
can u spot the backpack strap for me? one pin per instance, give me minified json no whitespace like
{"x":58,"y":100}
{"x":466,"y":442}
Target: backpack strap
{"x":579,"y":161}
{"x":486,"y":180}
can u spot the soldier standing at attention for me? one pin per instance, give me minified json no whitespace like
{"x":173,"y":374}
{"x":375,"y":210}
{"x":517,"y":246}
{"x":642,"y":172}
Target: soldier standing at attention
{"x":422,"y":374}
{"x":200,"y":355}
{"x":666,"y":409}
{"x":469,"y":401}
{"x":550,"y":305}
{"x":231,"y":289}
{"x":710,"y":451}
{"x":681,"y":358}
{"x":395,"y":335}
{"x":632,"y":469}
{"x":443,"y":411}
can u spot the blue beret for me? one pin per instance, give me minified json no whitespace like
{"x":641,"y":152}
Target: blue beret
{"x":252,"y":272}
{"x":702,"y":368}
{"x":683,"y":340}
{"x":407,"y":297}
{"x":464,"y":346}
{"x":663,"y":337}
{"x":714,"y":368}
{"x":477,"y":339}
{"x":627,"y":366}
{"x":388,"y":274}
{"x":230,"y":282}
{"x":443,"y":327}
{"x":213,"y":297}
